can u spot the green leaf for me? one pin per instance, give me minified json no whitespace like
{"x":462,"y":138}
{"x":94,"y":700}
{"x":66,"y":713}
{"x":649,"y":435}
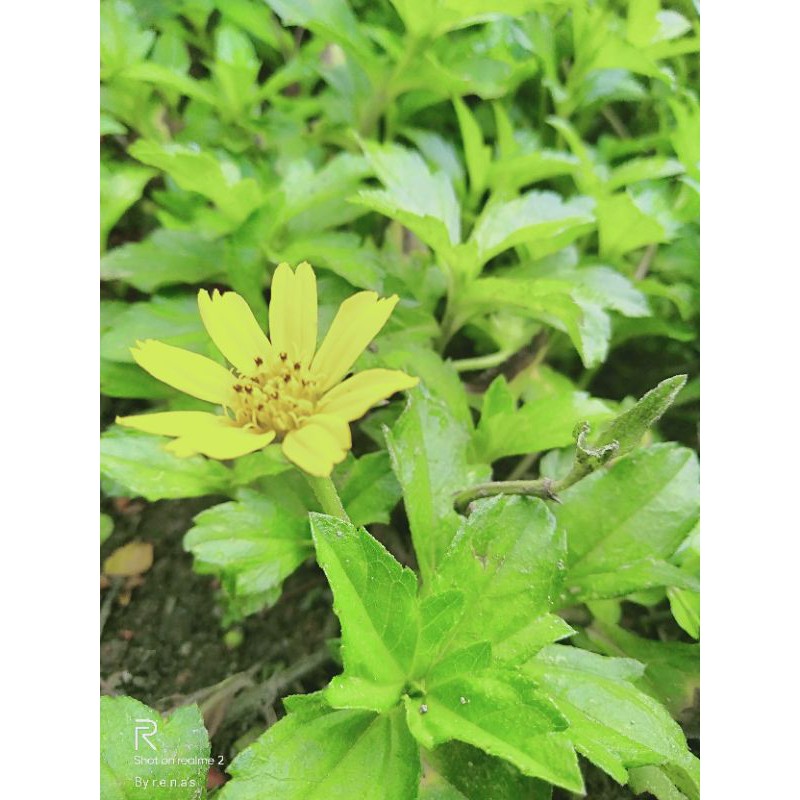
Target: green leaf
{"x":458,"y":771}
{"x":503,"y":714}
{"x":141,"y":465}
{"x":121,"y":185}
{"x":643,"y":169}
{"x":667,"y":782}
{"x":543,"y":221}
{"x":640,"y":508}
{"x":235,"y":71}
{"x":551,"y":301}
{"x":198,"y":171}
{"x":143,"y":754}
{"x":611,"y":722}
{"x":316,"y":753}
{"x":672,"y":669}
{"x":122,"y":41}
{"x":428,"y":448}
{"x":507,"y":561}
{"x":166,"y":257}
{"x":515,"y":172}
{"x":478,"y":155}
{"x":174,"y":320}
{"x":624,"y":225}
{"x":374,"y":598}
{"x":368,"y":489}
{"x":424,"y":202}
{"x":254,"y":543}
{"x":540,"y":424}
{"x":629,"y":427}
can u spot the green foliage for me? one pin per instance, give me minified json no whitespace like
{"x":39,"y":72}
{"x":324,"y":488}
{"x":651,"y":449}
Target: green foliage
{"x":143,"y":753}
{"x":524,"y":175}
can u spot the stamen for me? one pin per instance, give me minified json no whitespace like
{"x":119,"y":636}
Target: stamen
{"x":284,"y":356}
{"x":259,"y":361}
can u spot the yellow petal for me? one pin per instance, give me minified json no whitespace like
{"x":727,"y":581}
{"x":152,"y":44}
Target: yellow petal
{"x":189,"y":372}
{"x":293,"y":312}
{"x":320,"y":444}
{"x":231,"y":324}
{"x":352,"y":398}
{"x":172,"y":423}
{"x":222,"y":441}
{"x":355,"y":325}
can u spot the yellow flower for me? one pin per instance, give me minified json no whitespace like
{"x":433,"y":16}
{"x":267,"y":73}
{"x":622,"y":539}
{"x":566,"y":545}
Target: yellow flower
{"x":281,"y":388}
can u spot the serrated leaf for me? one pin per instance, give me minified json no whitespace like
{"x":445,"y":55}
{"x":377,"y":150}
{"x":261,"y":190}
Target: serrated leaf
{"x":611,"y":722}
{"x":424,"y":202}
{"x":542,"y":220}
{"x":507,"y":561}
{"x":130,"y":729}
{"x":174,"y":320}
{"x":477,"y":155}
{"x":541,"y":424}
{"x":640,"y":508}
{"x":141,"y":465}
{"x":502,"y":714}
{"x":121,"y":185}
{"x":369,"y":489}
{"x":164,"y":258}
{"x":317,"y":753}
{"x":458,"y":771}
{"x":374,"y":598}
{"x":625,"y":225}
{"x":428,"y":450}
{"x":552,"y":301}
{"x":199,"y":171}
{"x":254,"y":543}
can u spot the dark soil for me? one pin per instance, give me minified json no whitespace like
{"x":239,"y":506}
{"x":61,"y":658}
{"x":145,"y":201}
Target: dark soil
{"x":166,"y":647}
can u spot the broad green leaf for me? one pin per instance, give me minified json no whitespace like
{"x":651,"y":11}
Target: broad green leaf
{"x":507,"y":560}
{"x":611,"y":722}
{"x":458,"y":771}
{"x":519,"y":171}
{"x":332,"y":20}
{"x":139,"y":463}
{"x":624,"y":225}
{"x":143,"y":754}
{"x":551,"y":301}
{"x":118,"y":379}
{"x":121,"y":185}
{"x":374,"y":598}
{"x":169,"y":80}
{"x":643,"y":169}
{"x":369,"y":489}
{"x":428,"y":448}
{"x":199,"y":171}
{"x":446,"y":15}
{"x":542,"y":220}
{"x":253,"y":543}
{"x":541,"y":424}
{"x":641,"y":508}
{"x":164,"y":258}
{"x":647,"y":573}
{"x":503,"y":714}
{"x":122,"y":40}
{"x":668,"y":782}
{"x":422,"y":201}
{"x":235,"y":71}
{"x":174,"y":320}
{"x":317,"y":753}
{"x":672,"y":669}
{"x":629,"y":427}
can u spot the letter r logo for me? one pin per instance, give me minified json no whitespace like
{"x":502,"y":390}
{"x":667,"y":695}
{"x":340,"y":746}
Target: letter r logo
{"x":150,"y":728}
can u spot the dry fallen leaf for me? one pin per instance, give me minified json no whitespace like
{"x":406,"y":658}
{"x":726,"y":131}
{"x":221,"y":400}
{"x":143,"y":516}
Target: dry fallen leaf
{"x":133,"y":558}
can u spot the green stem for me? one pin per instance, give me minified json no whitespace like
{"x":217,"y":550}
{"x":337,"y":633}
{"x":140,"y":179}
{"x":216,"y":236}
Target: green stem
{"x":325,"y":491}
{"x":482,"y":362}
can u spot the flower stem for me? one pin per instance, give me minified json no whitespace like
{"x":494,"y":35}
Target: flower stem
{"x":325,"y":491}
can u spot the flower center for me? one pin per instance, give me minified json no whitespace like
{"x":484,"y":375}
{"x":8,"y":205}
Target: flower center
{"x":276,"y":397}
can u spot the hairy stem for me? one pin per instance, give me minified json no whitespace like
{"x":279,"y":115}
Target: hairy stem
{"x":325,"y":491}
